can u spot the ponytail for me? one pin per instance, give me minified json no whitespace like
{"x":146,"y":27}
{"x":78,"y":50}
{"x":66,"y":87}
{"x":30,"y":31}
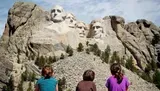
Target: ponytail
{"x":117,"y":72}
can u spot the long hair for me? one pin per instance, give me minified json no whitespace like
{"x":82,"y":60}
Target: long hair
{"x":116,"y":70}
{"x":47,"y":72}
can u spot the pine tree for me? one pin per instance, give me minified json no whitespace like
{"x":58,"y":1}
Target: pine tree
{"x":95,"y":47}
{"x":10,"y":85}
{"x":156,"y":78}
{"x":18,"y":60}
{"x":62,"y":56}
{"x":95,"y":50}
{"x":129,"y":64}
{"x":20,"y":86}
{"x":24,"y":76}
{"x":54,"y":59}
{"x":50,"y":60}
{"x":87,"y":43}
{"x":33,"y":77}
{"x":87,"y":51}
{"x":61,"y":84}
{"x":98,"y":52}
{"x":154,"y":65}
{"x":115,"y":58}
{"x":148,"y":68}
{"x":42,"y":62}
{"x":146,"y":77}
{"x":29,"y":87}
{"x":69,"y":50}
{"x":80,"y":47}
{"x":106,"y":54}
{"x":37,"y":61}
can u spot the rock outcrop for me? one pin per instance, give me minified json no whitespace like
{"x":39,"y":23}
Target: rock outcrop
{"x":31,"y":32}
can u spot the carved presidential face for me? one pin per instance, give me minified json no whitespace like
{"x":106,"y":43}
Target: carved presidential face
{"x":70,"y":19}
{"x":81,"y":29}
{"x":57,"y":14}
{"x":97,"y":30}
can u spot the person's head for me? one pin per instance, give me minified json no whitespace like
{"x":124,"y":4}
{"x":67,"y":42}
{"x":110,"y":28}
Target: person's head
{"x":47,"y":71}
{"x":116,"y":70}
{"x":88,"y":75}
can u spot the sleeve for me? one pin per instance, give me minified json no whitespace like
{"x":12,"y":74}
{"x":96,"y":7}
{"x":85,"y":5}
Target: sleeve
{"x":37,"y":86}
{"x":37,"y":82}
{"x":107,"y":83}
{"x":127,"y":83}
{"x":94,"y":87}
{"x":56,"y":81}
{"x":77,"y":88}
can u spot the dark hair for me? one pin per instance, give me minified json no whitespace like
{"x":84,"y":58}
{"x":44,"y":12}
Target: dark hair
{"x":47,"y":72}
{"x":116,"y":70}
{"x":88,"y":75}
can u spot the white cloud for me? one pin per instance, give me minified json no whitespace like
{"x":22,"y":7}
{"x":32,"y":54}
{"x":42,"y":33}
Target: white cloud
{"x":131,"y":10}
{"x":87,"y":10}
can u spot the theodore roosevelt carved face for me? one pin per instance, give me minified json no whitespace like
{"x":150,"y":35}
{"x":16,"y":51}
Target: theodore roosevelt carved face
{"x":81,"y":29}
{"x":97,"y":30}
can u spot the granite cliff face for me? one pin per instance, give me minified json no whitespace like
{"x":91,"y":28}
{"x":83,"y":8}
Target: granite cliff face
{"x":31,"y":32}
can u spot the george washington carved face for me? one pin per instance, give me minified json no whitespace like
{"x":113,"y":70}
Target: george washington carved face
{"x":57,"y":14}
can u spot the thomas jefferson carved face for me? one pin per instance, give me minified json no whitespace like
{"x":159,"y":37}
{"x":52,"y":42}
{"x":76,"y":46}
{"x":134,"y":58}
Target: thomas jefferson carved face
{"x":57,"y":14}
{"x":70,"y":19}
{"x":81,"y":29}
{"x":98,"y":30}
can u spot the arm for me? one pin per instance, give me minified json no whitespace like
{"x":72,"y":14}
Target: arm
{"x":107,"y":85}
{"x":127,"y":89}
{"x":76,"y":88}
{"x":57,"y":87}
{"x":127,"y":84}
{"x":94,"y":87}
{"x":107,"y":89}
{"x":37,"y":88}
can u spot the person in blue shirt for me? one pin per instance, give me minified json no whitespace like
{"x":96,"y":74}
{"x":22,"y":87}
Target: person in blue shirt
{"x":47,"y":82}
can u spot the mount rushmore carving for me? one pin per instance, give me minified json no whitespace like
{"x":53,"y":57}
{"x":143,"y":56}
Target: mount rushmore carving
{"x":32,"y":31}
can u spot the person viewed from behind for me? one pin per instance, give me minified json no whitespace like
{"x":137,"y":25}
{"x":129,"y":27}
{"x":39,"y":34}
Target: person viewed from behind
{"x":87,"y":83}
{"x":47,"y":82}
{"x":117,"y":82}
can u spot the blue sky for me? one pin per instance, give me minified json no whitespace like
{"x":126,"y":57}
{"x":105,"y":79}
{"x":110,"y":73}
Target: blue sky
{"x":87,"y":10}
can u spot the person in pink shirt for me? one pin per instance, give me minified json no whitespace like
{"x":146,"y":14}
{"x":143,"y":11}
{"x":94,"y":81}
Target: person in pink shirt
{"x":117,"y":81}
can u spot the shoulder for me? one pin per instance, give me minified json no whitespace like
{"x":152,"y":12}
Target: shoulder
{"x":111,"y":77}
{"x":125,"y":77}
{"x":54,"y":79}
{"x":40,"y":80}
{"x":81,"y":82}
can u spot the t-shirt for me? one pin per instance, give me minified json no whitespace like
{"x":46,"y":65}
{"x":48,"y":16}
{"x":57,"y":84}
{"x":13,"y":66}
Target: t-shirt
{"x":47,"y":84}
{"x":112,"y":85}
{"x":86,"y":86}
